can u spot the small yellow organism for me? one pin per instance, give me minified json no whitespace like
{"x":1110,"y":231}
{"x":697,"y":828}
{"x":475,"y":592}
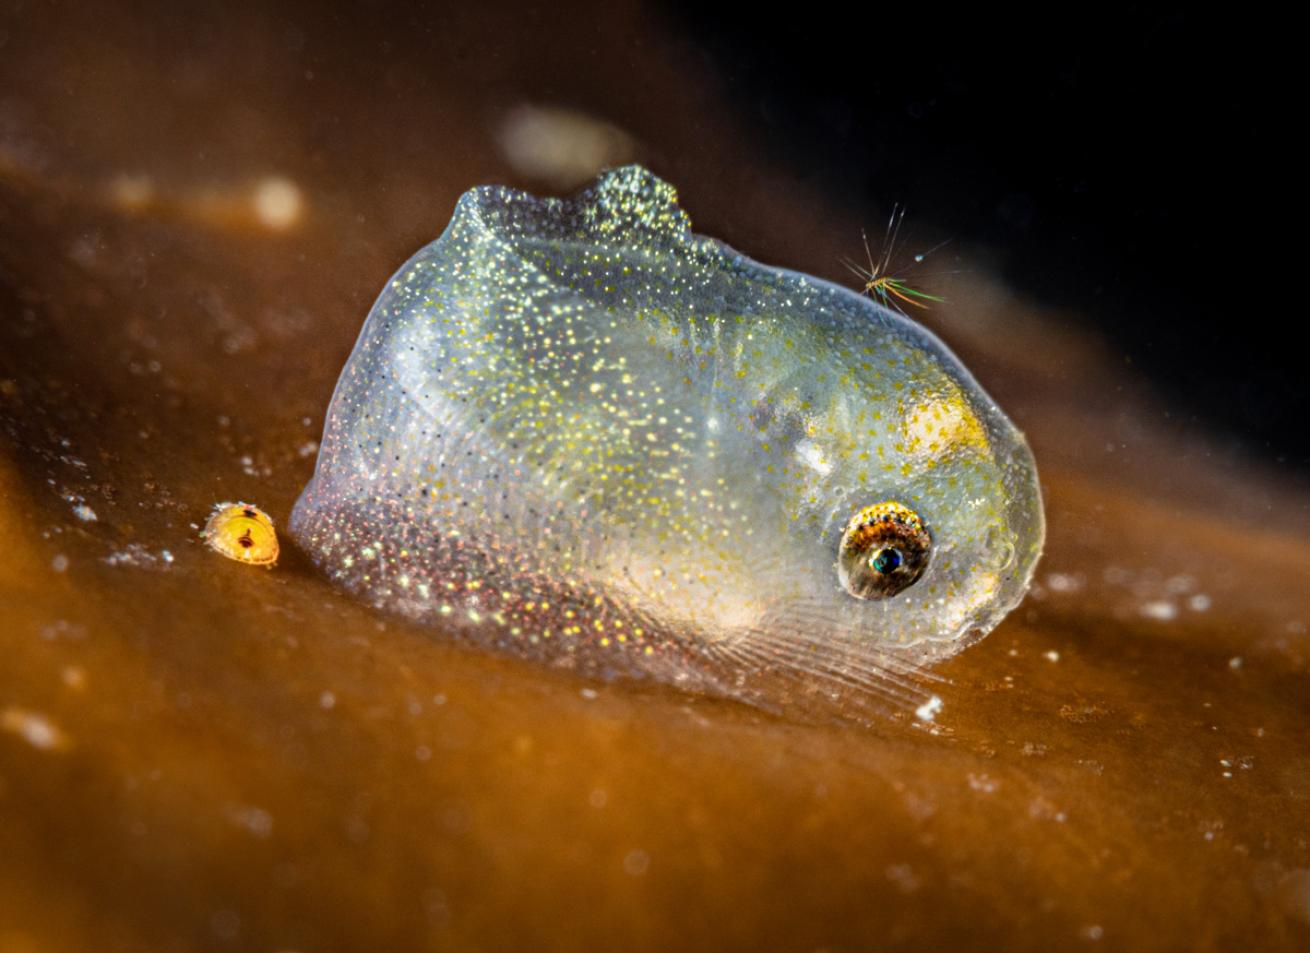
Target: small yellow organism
{"x":244,"y":532}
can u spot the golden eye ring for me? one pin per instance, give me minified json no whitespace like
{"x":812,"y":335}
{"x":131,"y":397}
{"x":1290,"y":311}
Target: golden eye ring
{"x":884,"y":550}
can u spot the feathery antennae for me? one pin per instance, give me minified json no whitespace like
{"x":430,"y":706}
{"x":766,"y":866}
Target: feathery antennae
{"x":879,"y":282}
{"x":865,"y":276}
{"x":893,"y":233}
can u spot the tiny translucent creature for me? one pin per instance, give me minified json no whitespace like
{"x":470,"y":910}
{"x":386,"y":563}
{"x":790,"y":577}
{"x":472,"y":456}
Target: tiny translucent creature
{"x":576,"y":431}
{"x":244,"y":532}
{"x":879,"y":282}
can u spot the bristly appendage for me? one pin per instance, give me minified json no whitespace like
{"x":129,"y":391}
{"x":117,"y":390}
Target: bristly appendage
{"x":887,"y":288}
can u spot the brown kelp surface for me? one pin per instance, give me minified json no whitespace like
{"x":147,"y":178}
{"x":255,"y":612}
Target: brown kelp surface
{"x":195,"y":214}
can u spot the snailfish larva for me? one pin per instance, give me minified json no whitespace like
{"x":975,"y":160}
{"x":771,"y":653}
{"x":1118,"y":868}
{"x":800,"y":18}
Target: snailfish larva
{"x":577,"y":431}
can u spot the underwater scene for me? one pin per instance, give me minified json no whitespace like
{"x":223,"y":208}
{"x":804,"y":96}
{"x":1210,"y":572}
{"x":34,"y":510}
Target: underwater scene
{"x":638,"y":476}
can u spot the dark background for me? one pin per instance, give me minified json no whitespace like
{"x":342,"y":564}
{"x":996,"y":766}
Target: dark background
{"x":1130,"y":166}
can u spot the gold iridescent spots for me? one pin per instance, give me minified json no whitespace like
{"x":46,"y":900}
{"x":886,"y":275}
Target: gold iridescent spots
{"x":577,"y":431}
{"x":244,"y":532}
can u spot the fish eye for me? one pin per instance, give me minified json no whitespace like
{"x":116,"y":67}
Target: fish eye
{"x":883,"y":551}
{"x":885,"y":561}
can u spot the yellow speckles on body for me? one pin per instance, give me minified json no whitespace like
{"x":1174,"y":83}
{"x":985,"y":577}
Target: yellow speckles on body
{"x":582,"y":433}
{"x":937,"y":426}
{"x":244,"y":532}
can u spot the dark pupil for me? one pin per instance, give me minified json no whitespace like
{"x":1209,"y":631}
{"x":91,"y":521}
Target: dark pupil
{"x":886,"y":561}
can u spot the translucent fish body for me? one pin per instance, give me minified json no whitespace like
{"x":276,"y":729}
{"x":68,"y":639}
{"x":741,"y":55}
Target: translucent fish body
{"x":577,"y":431}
